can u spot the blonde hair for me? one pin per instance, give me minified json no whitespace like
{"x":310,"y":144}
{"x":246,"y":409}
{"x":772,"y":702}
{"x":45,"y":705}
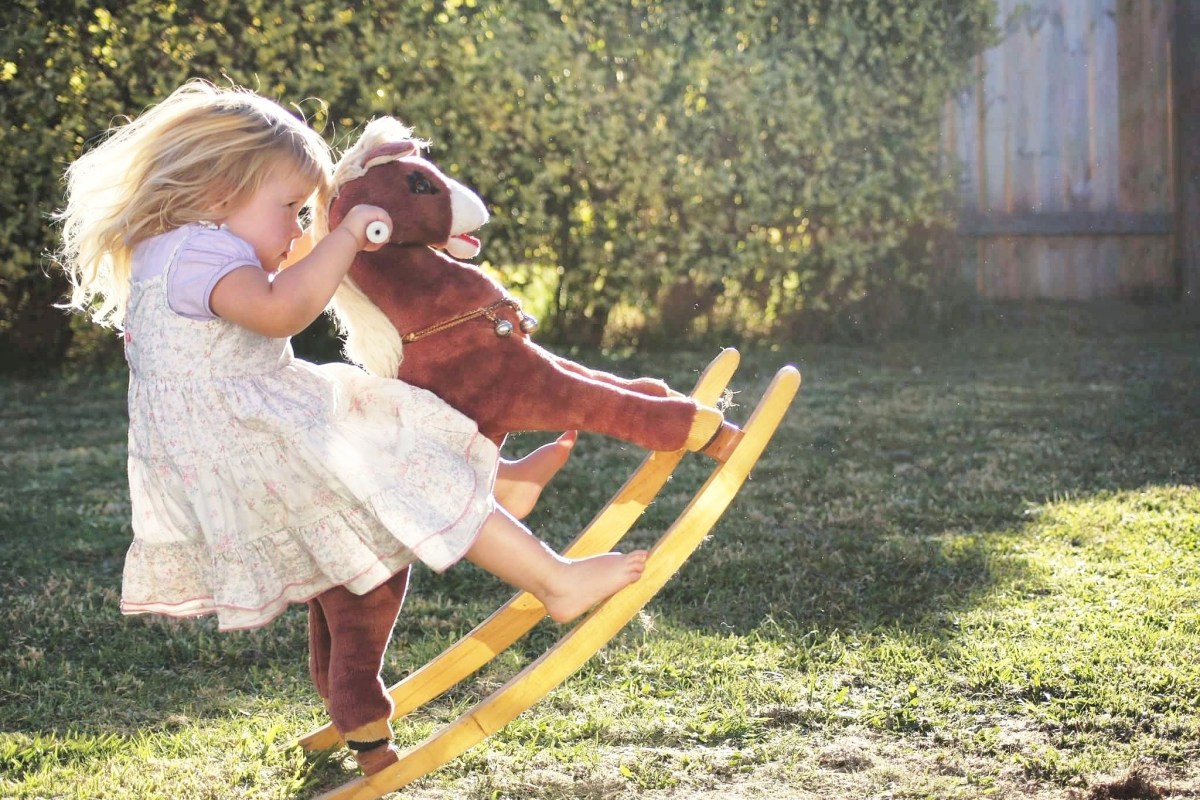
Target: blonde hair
{"x":202,"y":146}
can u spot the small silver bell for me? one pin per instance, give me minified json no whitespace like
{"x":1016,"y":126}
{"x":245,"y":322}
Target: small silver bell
{"x":503,"y":328}
{"x":528,"y":324}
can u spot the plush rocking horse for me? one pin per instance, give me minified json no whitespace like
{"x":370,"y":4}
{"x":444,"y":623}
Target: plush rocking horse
{"x":412,"y":310}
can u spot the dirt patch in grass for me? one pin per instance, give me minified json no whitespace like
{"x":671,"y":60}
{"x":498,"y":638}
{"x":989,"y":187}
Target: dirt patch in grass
{"x":1137,"y":784}
{"x":1134,"y":785}
{"x":849,"y":754}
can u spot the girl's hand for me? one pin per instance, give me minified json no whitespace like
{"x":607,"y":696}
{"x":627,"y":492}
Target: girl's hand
{"x":356,"y":221}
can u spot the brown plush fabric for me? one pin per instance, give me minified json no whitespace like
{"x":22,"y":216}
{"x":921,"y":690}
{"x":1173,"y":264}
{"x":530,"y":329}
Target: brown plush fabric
{"x":504,"y":383}
{"x":348,"y":636}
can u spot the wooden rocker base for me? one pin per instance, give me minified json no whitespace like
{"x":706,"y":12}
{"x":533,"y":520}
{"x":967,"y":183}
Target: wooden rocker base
{"x":518,"y":616}
{"x":601,"y":624}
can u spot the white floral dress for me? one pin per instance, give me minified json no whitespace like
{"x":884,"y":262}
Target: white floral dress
{"x":258,"y":479}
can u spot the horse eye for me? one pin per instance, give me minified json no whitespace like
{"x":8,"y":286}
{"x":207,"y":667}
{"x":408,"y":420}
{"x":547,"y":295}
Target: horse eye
{"x":419,"y":184}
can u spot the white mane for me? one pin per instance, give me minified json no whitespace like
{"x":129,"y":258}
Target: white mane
{"x":370,"y":339}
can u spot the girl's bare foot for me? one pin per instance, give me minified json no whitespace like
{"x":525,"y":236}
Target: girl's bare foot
{"x":566,"y":587}
{"x":519,"y":483}
{"x":583,"y":583}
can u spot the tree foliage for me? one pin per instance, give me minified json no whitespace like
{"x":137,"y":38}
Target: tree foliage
{"x":774,"y":163}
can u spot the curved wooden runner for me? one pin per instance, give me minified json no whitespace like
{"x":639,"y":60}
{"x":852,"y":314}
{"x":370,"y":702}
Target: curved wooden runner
{"x":583,"y":641}
{"x":516,"y":617}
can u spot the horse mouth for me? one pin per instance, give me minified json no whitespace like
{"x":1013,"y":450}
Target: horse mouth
{"x":462,"y":245}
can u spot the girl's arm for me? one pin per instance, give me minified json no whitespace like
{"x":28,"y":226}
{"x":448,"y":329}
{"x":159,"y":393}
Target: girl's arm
{"x":297,"y":295}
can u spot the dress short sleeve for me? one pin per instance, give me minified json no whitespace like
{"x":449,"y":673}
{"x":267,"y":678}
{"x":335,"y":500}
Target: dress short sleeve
{"x":204,"y":257}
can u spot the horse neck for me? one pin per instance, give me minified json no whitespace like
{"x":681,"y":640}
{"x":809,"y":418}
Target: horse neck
{"x":416,"y":286}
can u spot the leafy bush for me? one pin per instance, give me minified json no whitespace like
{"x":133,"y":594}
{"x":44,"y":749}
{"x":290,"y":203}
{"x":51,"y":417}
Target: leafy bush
{"x":774,"y":164}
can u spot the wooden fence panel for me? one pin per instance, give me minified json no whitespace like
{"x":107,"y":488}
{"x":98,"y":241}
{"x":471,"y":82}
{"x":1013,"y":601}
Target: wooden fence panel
{"x":1065,"y":146}
{"x":1185,"y":102}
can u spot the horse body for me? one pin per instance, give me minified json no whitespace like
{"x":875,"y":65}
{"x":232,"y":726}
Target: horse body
{"x":447,"y":313}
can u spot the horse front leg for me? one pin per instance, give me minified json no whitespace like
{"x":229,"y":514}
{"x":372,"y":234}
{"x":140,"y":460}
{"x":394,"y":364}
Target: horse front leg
{"x":558,"y":395}
{"x":647,"y":386}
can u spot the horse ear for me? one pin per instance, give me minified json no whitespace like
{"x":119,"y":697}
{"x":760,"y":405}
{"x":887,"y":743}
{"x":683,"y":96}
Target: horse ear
{"x":389,"y":152}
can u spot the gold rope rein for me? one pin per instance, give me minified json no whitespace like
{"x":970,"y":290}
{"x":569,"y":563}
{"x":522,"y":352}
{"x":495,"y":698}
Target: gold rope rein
{"x":486,"y":311}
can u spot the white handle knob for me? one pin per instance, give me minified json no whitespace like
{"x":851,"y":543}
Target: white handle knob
{"x":378,"y":232}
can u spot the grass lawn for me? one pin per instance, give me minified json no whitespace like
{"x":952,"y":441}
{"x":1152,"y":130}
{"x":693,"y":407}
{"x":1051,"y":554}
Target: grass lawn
{"x":966,"y":567}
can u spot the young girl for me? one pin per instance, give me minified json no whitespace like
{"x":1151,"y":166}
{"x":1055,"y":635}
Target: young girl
{"x":257,"y":479}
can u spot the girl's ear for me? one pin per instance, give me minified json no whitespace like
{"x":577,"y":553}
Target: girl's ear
{"x":220,"y":200}
{"x":220,"y":209}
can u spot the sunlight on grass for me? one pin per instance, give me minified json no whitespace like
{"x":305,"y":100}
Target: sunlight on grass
{"x":957,"y":573}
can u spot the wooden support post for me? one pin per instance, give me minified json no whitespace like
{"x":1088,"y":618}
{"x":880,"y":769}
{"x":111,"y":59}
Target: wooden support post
{"x":1185,"y":76}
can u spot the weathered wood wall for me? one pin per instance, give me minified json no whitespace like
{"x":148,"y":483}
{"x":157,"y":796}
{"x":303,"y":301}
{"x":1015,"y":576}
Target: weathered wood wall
{"x":1185,"y":80}
{"x":1067,"y":152}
